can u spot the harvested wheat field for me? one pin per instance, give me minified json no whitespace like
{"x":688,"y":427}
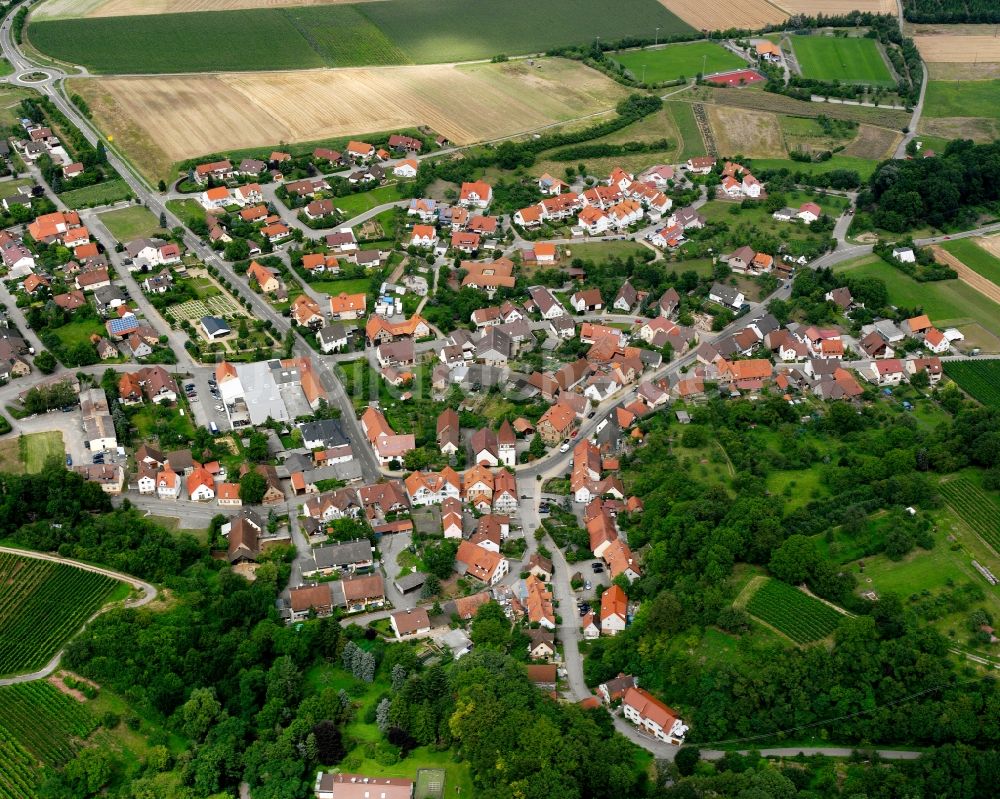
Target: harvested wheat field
{"x":184,"y":116}
{"x":67,"y":9}
{"x":873,"y":143}
{"x":834,"y":7}
{"x":958,"y":49}
{"x":754,"y":134}
{"x":726,"y":13}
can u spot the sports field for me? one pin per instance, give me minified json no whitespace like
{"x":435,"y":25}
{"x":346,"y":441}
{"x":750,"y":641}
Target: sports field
{"x":848,"y":60}
{"x":678,"y":61}
{"x":158,"y":121}
{"x":390,"y":32}
{"x":972,"y":98}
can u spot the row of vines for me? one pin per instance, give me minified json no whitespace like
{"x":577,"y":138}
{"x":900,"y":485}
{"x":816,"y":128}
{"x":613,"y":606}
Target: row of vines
{"x":42,"y":604}
{"x":790,"y":611}
{"x":38,"y":724}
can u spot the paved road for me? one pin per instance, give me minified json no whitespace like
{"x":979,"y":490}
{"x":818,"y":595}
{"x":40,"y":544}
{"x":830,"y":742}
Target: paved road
{"x":148,"y":595}
{"x":828,"y":751}
{"x":918,"y":109}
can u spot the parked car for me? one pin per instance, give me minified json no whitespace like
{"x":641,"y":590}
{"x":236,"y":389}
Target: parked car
{"x":587,"y":585}
{"x":69,"y":460}
{"x":565,"y":446}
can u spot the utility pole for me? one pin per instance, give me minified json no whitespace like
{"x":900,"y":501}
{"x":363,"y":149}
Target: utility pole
{"x":643,"y":73}
{"x":656,"y":40}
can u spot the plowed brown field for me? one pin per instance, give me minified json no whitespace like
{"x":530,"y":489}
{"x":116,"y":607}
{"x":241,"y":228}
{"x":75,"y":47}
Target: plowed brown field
{"x":958,"y":49}
{"x":832,"y":7}
{"x":725,"y":13}
{"x":62,"y":9}
{"x":185,"y":116}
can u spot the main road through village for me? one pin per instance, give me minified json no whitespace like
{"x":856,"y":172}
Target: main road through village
{"x":50,"y":81}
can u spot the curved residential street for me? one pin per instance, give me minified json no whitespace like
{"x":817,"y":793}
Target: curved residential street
{"x":148,"y":595}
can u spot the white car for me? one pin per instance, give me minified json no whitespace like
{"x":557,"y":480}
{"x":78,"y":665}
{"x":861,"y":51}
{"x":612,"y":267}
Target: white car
{"x":565,"y":446}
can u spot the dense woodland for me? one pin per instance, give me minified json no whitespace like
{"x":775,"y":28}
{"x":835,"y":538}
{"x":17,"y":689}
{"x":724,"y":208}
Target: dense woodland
{"x":947,"y":191}
{"x":951,"y":11}
{"x":885,"y":665}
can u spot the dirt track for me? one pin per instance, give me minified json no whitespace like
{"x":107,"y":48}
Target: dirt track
{"x":966,"y":275}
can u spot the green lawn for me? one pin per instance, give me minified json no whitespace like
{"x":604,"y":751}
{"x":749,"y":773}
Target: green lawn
{"x":835,"y":58}
{"x":949,"y":303}
{"x":967,"y":98}
{"x":186,"y":209}
{"x":354,"y":204}
{"x":975,"y":257}
{"x":8,"y":188}
{"x":38,"y":448}
{"x":357,"y":285}
{"x":133,"y":222}
{"x":863,"y":166}
{"x":692,"y":144}
{"x":390,"y":32}
{"x":679,"y":61}
{"x":100,"y":194}
{"x":204,"y":287}
{"x":79,"y":331}
{"x":602,"y":250}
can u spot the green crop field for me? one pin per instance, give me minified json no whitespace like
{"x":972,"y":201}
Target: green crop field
{"x":834,"y":58}
{"x":968,"y":98}
{"x":797,"y":615}
{"x":43,"y":604}
{"x":974,"y":507}
{"x":979,"y":379}
{"x":390,"y":32}
{"x":44,"y":721}
{"x":975,"y":257}
{"x":679,"y":61}
{"x":343,"y":36}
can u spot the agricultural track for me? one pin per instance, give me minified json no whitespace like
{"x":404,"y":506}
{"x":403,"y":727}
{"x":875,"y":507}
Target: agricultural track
{"x":701,"y":117}
{"x":149,"y":594}
{"x":987,"y":288}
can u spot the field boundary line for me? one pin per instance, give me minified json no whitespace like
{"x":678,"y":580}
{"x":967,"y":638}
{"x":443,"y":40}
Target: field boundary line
{"x":967,"y":274}
{"x":148,"y":589}
{"x":749,"y":590}
{"x":843,"y":611}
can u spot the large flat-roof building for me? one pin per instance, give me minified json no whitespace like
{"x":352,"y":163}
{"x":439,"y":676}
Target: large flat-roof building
{"x":281,"y":390}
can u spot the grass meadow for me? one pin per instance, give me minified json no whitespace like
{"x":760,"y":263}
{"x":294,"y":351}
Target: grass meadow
{"x":110,"y":191}
{"x":390,"y":32}
{"x":848,"y":60}
{"x":949,"y":303}
{"x":969,"y":98}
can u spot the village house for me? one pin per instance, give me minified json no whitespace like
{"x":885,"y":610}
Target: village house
{"x":654,"y":717}
{"x":614,"y":610}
